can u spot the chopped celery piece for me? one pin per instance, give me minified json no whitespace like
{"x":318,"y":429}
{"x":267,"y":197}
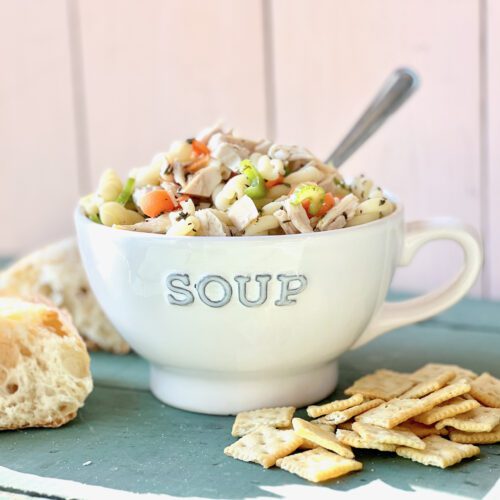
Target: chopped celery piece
{"x":95,"y":218}
{"x":312,"y":192}
{"x":257,"y":185}
{"x":127,"y":191}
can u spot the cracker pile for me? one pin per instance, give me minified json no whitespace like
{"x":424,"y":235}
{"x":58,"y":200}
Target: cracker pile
{"x":433,"y":416}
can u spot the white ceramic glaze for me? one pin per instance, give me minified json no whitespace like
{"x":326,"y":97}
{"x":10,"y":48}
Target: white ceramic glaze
{"x":214,"y":355}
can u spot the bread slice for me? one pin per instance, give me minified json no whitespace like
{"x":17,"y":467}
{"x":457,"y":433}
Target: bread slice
{"x":56,"y":272}
{"x":44,"y":365}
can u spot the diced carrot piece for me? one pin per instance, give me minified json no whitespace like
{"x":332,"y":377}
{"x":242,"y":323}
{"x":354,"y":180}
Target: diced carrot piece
{"x":197,"y":164}
{"x":327,"y":204}
{"x":199,"y":148}
{"x":156,"y":202}
{"x":275,"y":182}
{"x":307,"y":204}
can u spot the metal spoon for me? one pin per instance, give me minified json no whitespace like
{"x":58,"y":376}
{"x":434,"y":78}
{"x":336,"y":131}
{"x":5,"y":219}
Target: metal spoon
{"x":396,"y":89}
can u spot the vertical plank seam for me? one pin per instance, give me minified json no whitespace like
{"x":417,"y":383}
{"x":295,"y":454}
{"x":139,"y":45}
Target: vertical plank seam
{"x":484,"y":159}
{"x":269,"y":73}
{"x":79,"y":95}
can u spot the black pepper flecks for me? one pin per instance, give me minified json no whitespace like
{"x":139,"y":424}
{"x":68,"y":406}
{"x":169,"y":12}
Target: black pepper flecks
{"x":182,"y":216}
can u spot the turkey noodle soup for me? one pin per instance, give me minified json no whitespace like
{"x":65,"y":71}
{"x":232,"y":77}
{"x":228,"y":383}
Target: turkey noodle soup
{"x":218,"y":184}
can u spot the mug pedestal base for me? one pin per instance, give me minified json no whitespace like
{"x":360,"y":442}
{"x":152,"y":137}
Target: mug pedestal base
{"x":230,"y":393}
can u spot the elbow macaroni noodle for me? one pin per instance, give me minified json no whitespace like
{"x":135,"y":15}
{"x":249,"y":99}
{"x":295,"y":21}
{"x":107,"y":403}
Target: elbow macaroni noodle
{"x":148,"y":176}
{"x":112,"y":213}
{"x":270,"y":169}
{"x":110,"y":185}
{"x":230,"y":192}
{"x":185,"y":227}
{"x":261,"y":225}
{"x":305,"y":174}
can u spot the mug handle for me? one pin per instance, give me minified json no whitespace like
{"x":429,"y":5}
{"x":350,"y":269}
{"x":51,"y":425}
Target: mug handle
{"x":396,"y":314}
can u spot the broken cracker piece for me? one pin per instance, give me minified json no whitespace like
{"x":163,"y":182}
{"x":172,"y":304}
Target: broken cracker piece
{"x":439,"y":452}
{"x":337,"y":417}
{"x":491,"y":437}
{"x":431,"y":370}
{"x":480,"y":419}
{"x":486,"y":389}
{"x":318,"y":465}
{"x":264,"y":446}
{"x":248,"y":421}
{"x":430,"y":385}
{"x":383,"y":384}
{"x":356,"y":441}
{"x":341,"y":404}
{"x":388,"y":436}
{"x":448,"y":409}
{"x":321,"y":437}
{"x":393,"y":412}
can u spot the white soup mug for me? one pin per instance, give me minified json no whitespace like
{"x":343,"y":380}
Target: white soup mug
{"x":236,"y":323}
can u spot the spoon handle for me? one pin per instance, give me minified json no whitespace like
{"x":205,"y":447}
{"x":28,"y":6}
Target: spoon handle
{"x":396,"y":89}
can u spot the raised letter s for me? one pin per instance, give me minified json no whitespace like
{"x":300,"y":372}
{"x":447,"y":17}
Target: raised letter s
{"x":186,"y":295}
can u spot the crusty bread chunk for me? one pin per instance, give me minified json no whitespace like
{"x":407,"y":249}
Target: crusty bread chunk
{"x":44,"y":365}
{"x":56,"y":272}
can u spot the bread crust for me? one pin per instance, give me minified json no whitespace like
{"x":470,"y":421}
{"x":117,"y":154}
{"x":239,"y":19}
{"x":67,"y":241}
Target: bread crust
{"x":44,"y":365}
{"x":56,"y":272}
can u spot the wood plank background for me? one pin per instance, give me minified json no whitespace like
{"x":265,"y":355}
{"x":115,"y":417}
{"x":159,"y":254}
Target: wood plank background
{"x":85,"y":88}
{"x":491,"y":151}
{"x":38,"y":153}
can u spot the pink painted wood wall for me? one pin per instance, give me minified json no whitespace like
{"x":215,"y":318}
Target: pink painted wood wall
{"x":97,"y":83}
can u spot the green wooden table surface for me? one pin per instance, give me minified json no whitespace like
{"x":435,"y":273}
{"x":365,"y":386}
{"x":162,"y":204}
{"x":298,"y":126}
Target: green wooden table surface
{"x":126,"y":439}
